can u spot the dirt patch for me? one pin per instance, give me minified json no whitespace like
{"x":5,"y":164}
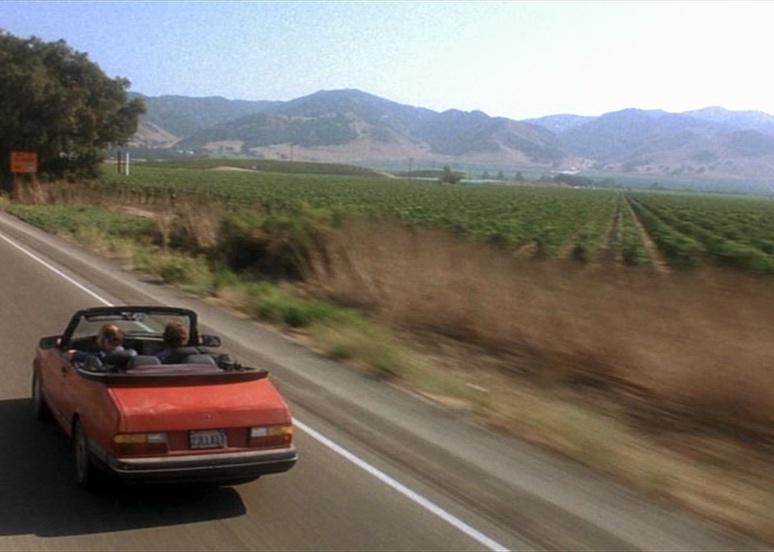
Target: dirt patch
{"x":611,"y":251}
{"x":136,"y":211}
{"x":228,"y":168}
{"x":659,"y":261}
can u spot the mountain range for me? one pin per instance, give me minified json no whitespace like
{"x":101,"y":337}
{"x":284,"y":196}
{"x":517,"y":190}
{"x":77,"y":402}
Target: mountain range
{"x":357,"y":127}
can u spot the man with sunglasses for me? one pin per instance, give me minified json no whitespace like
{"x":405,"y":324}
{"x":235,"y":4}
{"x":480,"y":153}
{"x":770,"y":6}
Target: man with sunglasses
{"x":109,"y":340}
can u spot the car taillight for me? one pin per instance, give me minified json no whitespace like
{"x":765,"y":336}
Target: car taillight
{"x":271,"y":436}
{"x":140,"y":443}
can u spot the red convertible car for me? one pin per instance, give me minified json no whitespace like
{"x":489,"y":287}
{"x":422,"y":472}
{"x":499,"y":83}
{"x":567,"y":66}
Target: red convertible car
{"x":198,"y":416}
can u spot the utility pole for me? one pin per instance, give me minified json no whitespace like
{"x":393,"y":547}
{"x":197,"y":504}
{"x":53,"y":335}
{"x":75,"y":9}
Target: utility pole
{"x":122,"y":162}
{"x":411,"y":168}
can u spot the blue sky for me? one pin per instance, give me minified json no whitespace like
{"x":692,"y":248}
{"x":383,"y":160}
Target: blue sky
{"x":506,"y":58}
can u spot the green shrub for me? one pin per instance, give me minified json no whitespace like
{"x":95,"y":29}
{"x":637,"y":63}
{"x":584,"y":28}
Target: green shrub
{"x":268,"y":302}
{"x":278,"y":244}
{"x":354,"y":337}
{"x":71,"y":218}
{"x":192,"y":273}
{"x":224,"y":277}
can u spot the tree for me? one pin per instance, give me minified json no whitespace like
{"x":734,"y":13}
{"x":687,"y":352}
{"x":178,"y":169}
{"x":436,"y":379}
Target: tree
{"x":449,"y":176}
{"x":500,"y":175}
{"x":58,"y":103}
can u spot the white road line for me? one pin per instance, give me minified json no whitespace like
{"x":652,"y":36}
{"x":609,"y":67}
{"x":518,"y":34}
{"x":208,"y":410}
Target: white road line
{"x":319,"y":437}
{"x":428,"y":505}
{"x":56,"y":271}
{"x":66,"y":277}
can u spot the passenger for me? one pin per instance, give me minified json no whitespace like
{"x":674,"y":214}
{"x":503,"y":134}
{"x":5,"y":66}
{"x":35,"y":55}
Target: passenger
{"x":110,"y":339}
{"x":175,"y":337}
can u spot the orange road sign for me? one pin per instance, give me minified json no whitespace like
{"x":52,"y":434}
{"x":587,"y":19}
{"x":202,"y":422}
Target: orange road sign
{"x":24,"y":162}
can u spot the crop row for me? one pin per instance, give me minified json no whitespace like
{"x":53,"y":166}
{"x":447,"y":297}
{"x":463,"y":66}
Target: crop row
{"x":632,"y":246}
{"x":711,"y":229}
{"x":595,"y":230}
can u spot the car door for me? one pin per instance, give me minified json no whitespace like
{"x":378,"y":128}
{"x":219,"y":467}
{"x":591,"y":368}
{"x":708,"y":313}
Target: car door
{"x":55,"y":372}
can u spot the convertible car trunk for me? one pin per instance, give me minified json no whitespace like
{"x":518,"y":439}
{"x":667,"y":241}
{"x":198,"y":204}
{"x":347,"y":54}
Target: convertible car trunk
{"x":200,"y":406}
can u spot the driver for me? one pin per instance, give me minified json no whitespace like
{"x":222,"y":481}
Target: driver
{"x":110,"y":339}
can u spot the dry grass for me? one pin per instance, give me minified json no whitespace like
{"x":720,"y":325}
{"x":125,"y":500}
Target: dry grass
{"x":722,"y":479}
{"x":664,"y":380}
{"x":697,"y":343}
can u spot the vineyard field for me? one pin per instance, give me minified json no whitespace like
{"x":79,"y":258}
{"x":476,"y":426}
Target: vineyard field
{"x":687,"y":229}
{"x":511,"y":216}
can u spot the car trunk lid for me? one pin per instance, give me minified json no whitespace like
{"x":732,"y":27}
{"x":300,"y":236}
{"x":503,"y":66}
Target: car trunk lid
{"x":201,"y":406}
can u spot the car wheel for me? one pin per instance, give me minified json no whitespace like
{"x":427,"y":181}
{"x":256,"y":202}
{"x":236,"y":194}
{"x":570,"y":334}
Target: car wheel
{"x":39,"y":407}
{"x":85,"y":474}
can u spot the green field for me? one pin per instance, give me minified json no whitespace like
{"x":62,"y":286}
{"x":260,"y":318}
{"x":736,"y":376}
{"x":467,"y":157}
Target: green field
{"x":264,"y":165}
{"x":688,"y":229}
{"x":509,"y":216}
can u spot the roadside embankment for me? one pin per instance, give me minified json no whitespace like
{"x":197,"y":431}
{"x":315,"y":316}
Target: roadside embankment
{"x":661,"y":379}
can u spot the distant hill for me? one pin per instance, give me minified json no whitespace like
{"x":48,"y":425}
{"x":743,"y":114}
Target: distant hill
{"x":708,"y":143}
{"x":180,"y":116}
{"x":348,"y":125}
{"x":371,"y":109}
{"x":559,"y":124}
{"x":352,"y":126}
{"x":624,"y":134}
{"x":739,"y":120}
{"x":458,"y":133}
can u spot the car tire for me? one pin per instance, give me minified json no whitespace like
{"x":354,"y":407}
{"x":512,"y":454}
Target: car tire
{"x":39,"y":407}
{"x":85,"y":472}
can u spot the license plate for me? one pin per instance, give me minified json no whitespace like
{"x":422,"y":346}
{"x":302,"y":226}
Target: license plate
{"x":209,"y":438}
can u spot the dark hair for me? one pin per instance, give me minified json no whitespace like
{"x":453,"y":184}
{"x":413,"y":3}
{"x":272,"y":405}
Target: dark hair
{"x":175,"y":334}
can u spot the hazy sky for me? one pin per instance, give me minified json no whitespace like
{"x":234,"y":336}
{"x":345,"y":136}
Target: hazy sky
{"x":513,"y":59}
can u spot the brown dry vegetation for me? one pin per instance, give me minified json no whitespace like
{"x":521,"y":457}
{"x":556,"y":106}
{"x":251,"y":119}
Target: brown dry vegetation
{"x":664,"y":380}
{"x":696,"y":345}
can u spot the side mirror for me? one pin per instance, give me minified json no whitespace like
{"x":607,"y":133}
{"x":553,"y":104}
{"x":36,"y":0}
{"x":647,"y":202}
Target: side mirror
{"x":209,"y":341}
{"x":50,"y":342}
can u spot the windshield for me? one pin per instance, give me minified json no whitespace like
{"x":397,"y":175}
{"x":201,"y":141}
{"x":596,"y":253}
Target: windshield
{"x":145,"y":324}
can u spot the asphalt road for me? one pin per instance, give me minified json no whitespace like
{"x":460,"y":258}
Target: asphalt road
{"x":379,"y":468}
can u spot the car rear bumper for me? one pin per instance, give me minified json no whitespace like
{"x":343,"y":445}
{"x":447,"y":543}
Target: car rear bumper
{"x":221,"y":467}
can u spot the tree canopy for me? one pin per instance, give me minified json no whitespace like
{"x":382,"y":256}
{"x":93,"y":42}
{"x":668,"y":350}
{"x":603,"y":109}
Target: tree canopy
{"x":449,"y":176}
{"x":58,"y":103}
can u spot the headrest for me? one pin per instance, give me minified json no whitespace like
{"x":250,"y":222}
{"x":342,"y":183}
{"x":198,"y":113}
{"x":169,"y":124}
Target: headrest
{"x":119,"y":359}
{"x":185,"y":351}
{"x":199,"y":359}
{"x":177,"y":356}
{"x":144,"y":360}
{"x":92,"y":363}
